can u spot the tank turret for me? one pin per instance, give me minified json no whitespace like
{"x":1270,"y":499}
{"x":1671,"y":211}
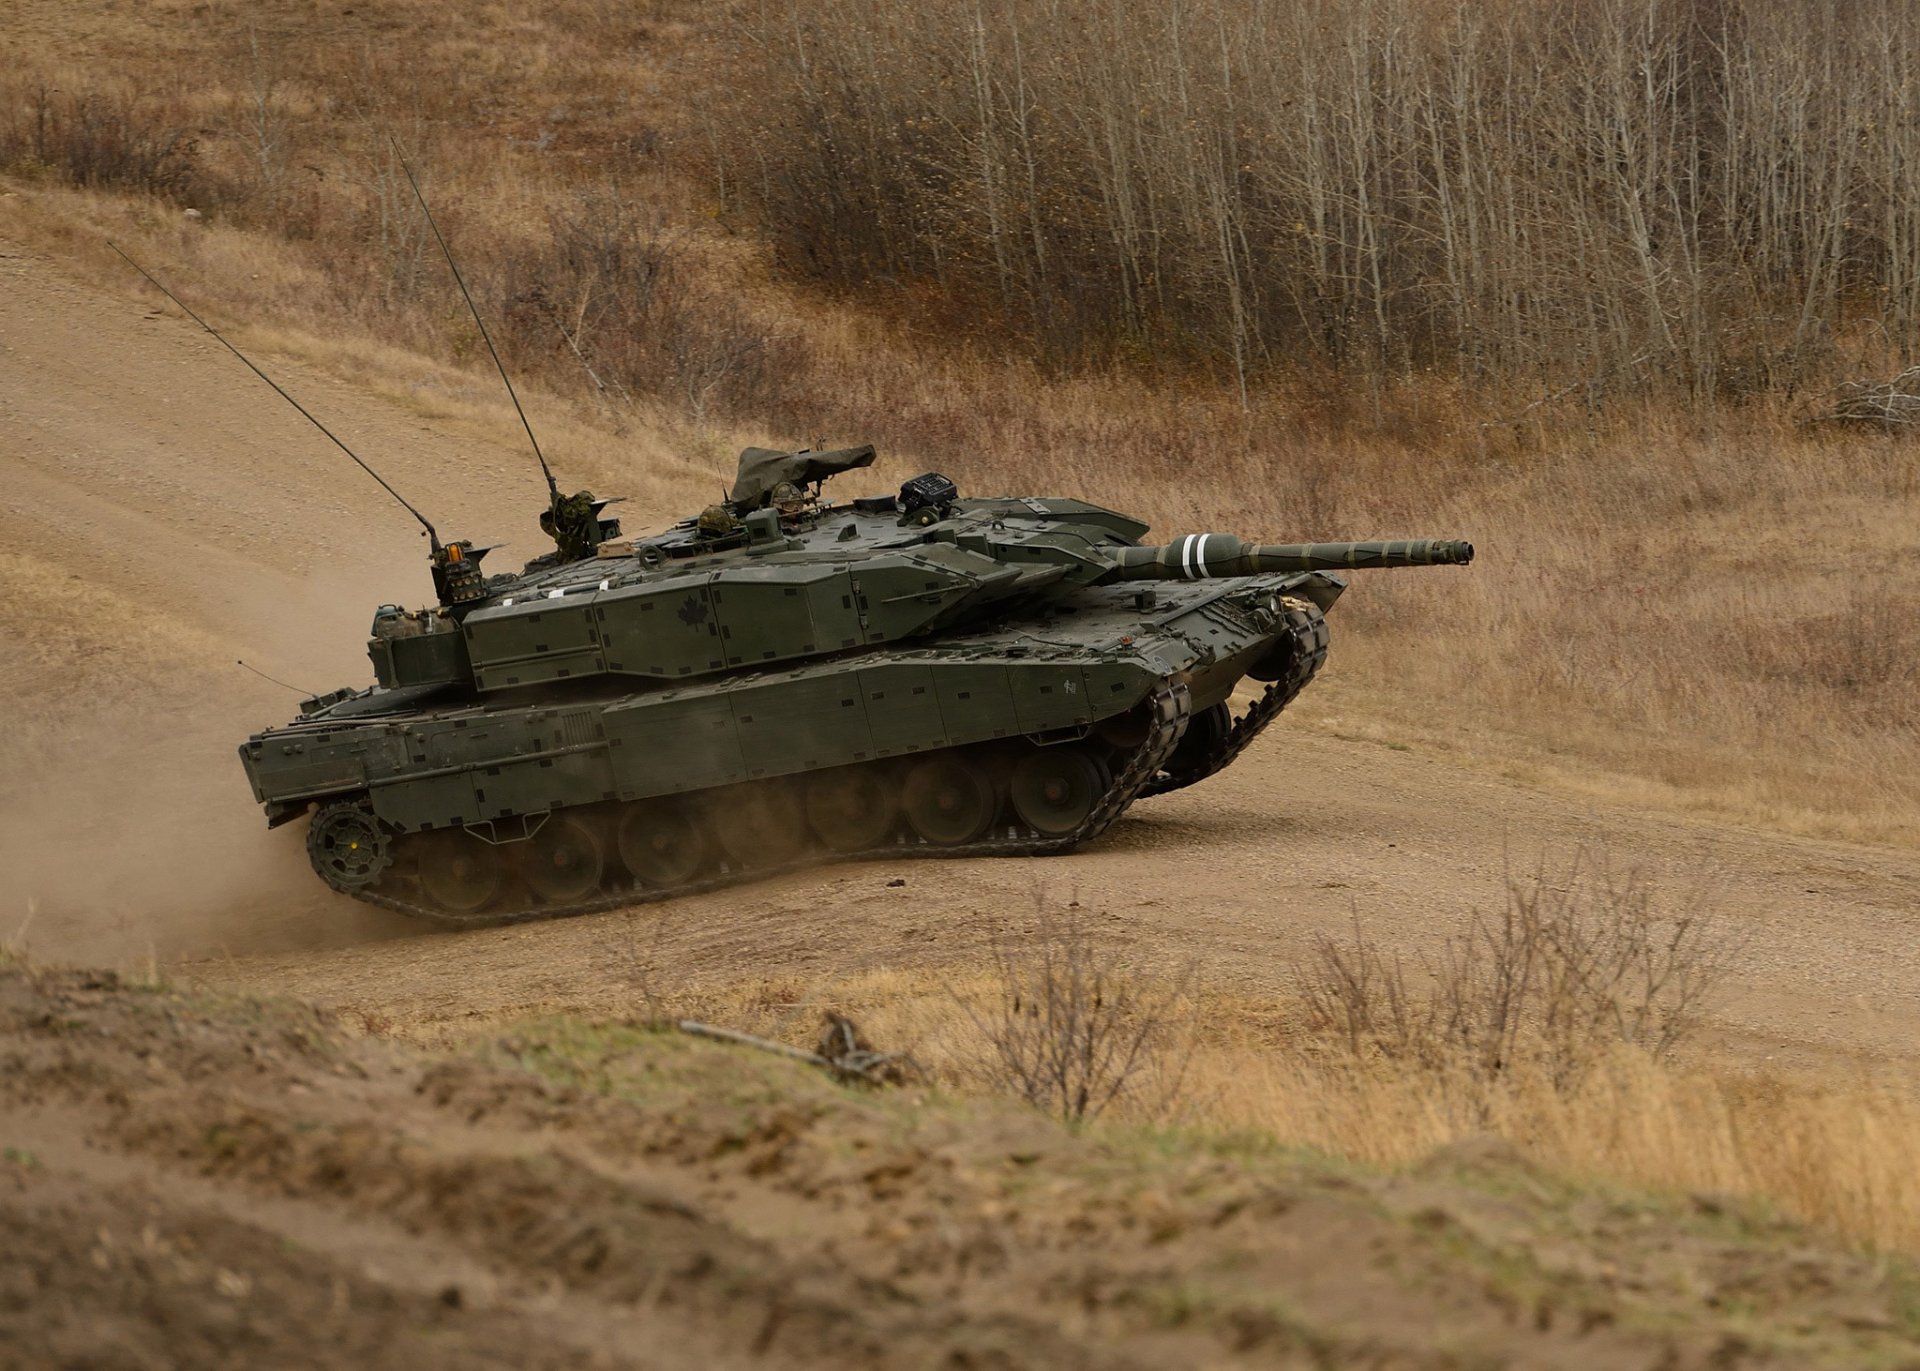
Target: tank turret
{"x":777,"y":573}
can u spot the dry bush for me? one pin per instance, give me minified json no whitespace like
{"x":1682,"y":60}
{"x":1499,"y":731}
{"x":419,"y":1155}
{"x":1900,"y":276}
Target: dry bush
{"x":1576,"y":965}
{"x":1071,"y":1032}
{"x":1889,"y":405}
{"x":633,"y":957}
{"x":106,"y":138}
{"x":612,"y":281}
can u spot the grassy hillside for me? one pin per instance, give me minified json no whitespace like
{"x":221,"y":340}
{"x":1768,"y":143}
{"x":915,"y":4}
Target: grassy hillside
{"x":1574,"y":1022}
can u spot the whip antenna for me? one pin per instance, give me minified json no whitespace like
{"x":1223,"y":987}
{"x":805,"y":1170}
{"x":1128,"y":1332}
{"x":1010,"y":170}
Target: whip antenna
{"x":432,"y":537}
{"x":553,"y":489}
{"x":275,"y":679}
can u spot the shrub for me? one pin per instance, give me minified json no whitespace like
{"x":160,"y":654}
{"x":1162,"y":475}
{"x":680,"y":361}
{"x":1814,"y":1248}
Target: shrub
{"x":107,"y":140}
{"x":1574,"y":966}
{"x":1069,"y":1031}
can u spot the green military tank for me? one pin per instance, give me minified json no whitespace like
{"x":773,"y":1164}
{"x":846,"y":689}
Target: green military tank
{"x":783,"y":679}
{"x":787,"y":679}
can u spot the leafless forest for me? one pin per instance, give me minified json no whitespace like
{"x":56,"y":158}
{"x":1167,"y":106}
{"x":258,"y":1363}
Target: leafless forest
{"x":1632,"y":195}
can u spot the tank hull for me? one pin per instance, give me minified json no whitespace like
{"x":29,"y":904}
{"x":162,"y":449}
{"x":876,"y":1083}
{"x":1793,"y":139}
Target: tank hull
{"x":1091,"y":697}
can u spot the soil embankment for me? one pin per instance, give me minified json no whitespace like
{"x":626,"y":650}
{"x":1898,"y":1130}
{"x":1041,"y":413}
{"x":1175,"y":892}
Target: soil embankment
{"x":198,"y":1181}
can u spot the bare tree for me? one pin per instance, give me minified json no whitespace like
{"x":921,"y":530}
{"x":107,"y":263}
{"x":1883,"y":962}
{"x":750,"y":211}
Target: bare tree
{"x":265,"y":126}
{"x":1631,"y":195}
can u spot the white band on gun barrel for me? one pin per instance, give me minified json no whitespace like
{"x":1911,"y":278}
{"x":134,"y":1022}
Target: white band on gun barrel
{"x":1193,"y":555}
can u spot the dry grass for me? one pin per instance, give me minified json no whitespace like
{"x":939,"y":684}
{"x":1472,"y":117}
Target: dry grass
{"x":1845,"y":1156}
{"x":1843,"y":1153}
{"x":1729,"y":618}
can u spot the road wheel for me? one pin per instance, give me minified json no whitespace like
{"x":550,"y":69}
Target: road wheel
{"x":1206,"y":735}
{"x":852,"y":808}
{"x":659,"y":844}
{"x":760,"y":824}
{"x":948,"y":800}
{"x":564,"y":861}
{"x":459,"y":873}
{"x":1056,"y":788}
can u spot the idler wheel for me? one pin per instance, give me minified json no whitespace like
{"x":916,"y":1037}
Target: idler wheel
{"x":563,"y":862}
{"x":759,"y":824}
{"x":659,"y":844}
{"x":1055,"y":789}
{"x":948,"y":801}
{"x":852,"y":808}
{"x":348,"y":847}
{"x":460,"y":873}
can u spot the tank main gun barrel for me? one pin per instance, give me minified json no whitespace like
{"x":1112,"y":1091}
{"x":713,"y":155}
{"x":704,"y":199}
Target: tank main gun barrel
{"x":1199,"y":556}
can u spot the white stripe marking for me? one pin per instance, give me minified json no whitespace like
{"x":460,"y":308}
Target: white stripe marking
{"x":1200,"y":557}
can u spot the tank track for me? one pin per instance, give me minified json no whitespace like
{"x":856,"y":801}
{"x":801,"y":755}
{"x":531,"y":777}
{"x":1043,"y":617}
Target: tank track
{"x":1306,"y":632}
{"x":1168,"y":707}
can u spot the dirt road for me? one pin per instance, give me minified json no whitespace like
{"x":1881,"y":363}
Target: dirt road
{"x":162,"y":514}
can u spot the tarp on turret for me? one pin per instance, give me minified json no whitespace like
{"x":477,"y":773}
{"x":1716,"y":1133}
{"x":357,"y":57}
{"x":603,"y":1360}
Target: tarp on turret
{"x":763,"y":468}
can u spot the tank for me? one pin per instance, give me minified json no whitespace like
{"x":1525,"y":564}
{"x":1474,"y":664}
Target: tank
{"x":785,"y":679}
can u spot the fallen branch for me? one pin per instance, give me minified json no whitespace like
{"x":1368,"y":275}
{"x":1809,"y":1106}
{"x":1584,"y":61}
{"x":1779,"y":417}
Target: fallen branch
{"x":1881,"y":404}
{"x":843,"y":1052}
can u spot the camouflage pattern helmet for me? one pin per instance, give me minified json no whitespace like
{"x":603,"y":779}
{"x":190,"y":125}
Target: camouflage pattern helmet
{"x":716,"y":521}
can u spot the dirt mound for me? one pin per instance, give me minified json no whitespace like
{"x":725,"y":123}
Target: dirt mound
{"x":203,"y":1181}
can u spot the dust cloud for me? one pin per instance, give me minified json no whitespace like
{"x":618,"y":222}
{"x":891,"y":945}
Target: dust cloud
{"x":127,"y":828}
